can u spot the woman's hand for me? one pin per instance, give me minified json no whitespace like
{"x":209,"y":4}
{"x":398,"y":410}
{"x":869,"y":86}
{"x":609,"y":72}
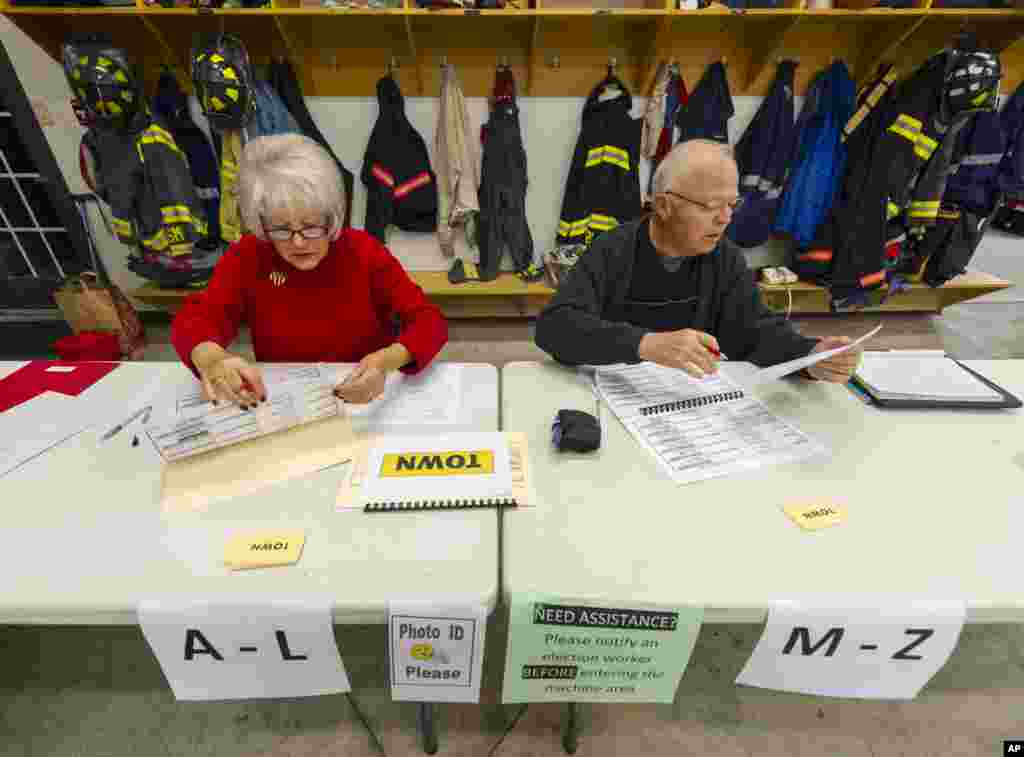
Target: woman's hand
{"x":227,"y":377}
{"x":364,"y":384}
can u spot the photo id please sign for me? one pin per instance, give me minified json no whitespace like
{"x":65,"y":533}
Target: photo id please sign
{"x":435,"y":652}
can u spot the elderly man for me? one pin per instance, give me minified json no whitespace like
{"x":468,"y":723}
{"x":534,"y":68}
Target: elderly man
{"x":671,"y":289}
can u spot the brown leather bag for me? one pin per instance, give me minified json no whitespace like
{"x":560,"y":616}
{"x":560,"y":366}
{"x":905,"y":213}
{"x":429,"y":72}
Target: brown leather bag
{"x":90,"y":301}
{"x":88,"y":305}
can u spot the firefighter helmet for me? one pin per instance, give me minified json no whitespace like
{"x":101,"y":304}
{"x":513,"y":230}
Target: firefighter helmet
{"x":102,"y":81}
{"x":223,"y":81}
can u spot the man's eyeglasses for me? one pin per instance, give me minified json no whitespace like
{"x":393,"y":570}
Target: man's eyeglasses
{"x":716,"y":207}
{"x":285,"y":234}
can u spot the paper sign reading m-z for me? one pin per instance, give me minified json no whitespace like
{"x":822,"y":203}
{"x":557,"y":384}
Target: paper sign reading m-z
{"x":452,"y":463}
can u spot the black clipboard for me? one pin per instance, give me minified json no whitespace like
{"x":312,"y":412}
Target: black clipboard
{"x":1007,"y":401}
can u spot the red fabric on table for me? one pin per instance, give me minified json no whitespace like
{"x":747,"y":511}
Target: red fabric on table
{"x":31,"y":380}
{"x":99,"y":346}
{"x":339,"y":312}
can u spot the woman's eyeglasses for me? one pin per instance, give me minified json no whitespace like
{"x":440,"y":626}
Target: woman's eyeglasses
{"x":285,"y":234}
{"x":716,"y":207}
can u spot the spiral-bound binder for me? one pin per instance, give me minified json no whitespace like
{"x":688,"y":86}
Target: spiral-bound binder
{"x":692,"y":402}
{"x":471,"y":503}
{"x":379,"y":483}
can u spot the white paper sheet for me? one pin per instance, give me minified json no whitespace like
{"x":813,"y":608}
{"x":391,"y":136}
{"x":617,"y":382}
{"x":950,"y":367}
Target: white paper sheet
{"x":894,"y":375}
{"x":185,"y":424}
{"x":784,"y":369}
{"x":872,"y":652}
{"x":245,"y":650}
{"x":436,"y":651}
{"x":431,"y":397}
{"x":50,"y":419}
{"x":698,"y":430}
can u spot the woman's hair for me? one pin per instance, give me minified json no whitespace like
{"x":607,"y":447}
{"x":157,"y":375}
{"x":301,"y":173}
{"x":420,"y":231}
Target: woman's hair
{"x":288,"y":173}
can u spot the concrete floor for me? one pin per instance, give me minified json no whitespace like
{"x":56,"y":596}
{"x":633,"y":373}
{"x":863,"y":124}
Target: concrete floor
{"x":93,"y":692}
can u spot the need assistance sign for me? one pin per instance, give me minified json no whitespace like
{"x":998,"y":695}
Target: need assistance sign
{"x":563,"y":651}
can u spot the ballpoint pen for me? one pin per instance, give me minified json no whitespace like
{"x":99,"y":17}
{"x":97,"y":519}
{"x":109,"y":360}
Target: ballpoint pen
{"x":120,"y":426}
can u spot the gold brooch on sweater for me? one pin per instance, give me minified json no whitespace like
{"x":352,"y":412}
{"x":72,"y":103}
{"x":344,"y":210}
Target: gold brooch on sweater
{"x":277,"y":278}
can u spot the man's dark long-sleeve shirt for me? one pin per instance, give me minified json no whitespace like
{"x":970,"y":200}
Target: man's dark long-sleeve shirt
{"x":588,"y":320}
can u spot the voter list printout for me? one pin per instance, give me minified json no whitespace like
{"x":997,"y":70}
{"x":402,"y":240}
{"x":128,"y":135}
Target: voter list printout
{"x":700,"y":429}
{"x":295,"y":394}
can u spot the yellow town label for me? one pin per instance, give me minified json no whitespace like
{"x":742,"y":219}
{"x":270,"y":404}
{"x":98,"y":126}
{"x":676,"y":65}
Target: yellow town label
{"x":475,"y":462}
{"x":812,"y":516}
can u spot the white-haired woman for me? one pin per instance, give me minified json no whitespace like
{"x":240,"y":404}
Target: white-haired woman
{"x":309,"y":290}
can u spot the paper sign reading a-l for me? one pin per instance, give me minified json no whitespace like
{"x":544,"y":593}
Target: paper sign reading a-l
{"x":567,"y":651}
{"x":449,"y":463}
{"x":251,"y":650}
{"x":436,"y":652}
{"x":877,"y":652}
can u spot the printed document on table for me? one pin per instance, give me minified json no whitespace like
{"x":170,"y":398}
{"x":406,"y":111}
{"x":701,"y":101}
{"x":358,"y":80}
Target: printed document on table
{"x":186,"y":424}
{"x":431,"y":397}
{"x":698,"y":430}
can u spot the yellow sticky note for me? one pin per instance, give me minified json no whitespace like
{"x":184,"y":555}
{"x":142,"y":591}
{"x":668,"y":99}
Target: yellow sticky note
{"x":263,"y":549}
{"x":815,"y":515}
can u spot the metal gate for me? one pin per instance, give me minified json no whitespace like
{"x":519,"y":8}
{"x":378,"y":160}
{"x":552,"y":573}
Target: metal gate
{"x":41,"y":236}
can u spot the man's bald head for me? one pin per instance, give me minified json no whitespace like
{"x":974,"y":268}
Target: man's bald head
{"x":691,"y":163}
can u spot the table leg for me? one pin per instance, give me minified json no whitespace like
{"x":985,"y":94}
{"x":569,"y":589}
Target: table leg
{"x":428,"y":727}
{"x":571,"y":732}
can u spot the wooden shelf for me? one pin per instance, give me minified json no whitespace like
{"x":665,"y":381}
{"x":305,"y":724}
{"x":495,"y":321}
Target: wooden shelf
{"x":809,"y":298}
{"x":508,"y":296}
{"x":346,"y":55}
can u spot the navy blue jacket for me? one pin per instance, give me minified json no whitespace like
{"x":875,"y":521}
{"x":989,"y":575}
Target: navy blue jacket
{"x":763,"y":154}
{"x":708,"y":110}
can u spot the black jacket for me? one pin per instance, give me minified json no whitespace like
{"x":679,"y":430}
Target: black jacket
{"x":503,"y":180}
{"x":603,"y":187}
{"x":283,"y":79}
{"x":400,"y":185}
{"x":573,"y":327}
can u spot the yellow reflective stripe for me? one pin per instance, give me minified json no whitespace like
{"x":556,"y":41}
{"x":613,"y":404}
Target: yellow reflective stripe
{"x":573,"y":228}
{"x":607,"y":154}
{"x":156,"y":242}
{"x":177,"y":250}
{"x":594,"y":156}
{"x":904,"y":133}
{"x":162,"y":141}
{"x":909,"y":121}
{"x":927,"y":142}
{"x":925,"y":203}
{"x":158,"y":131}
{"x":892,"y":209}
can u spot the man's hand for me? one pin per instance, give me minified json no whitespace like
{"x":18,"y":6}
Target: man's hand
{"x":229,"y":378}
{"x":837,"y":368}
{"x":364,"y":384}
{"x":689,"y":350}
